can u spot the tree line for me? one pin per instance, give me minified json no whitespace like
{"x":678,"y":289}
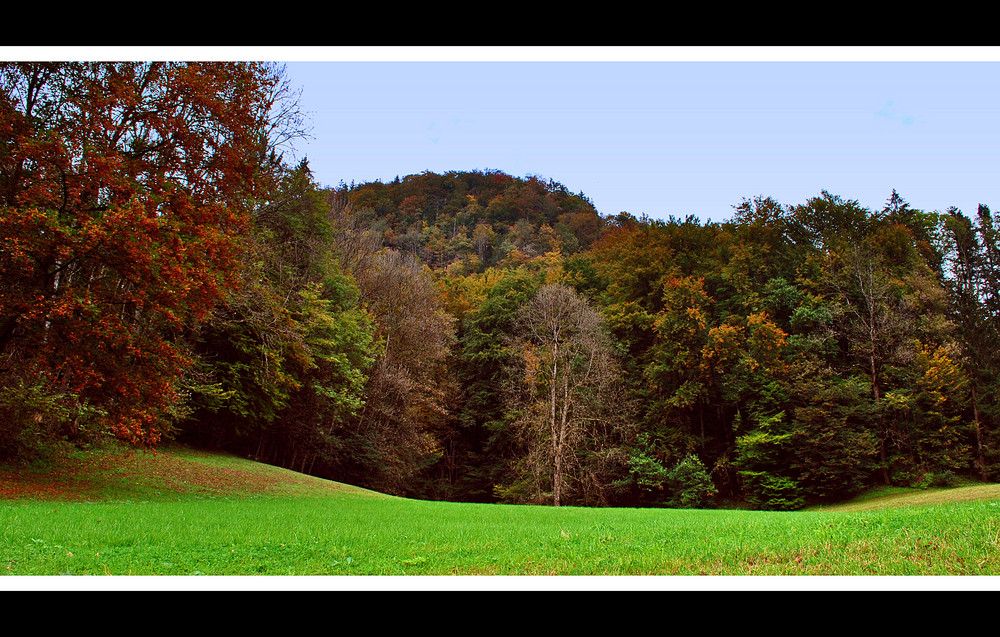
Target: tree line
{"x":166,"y":274}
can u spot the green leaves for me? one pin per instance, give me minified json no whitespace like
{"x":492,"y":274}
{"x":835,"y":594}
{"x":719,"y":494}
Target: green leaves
{"x":762,"y":457}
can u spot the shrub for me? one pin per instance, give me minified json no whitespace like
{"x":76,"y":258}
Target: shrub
{"x":690,"y":484}
{"x":772,"y":492}
{"x":646,"y":471}
{"x":31,"y":418}
{"x":944,"y":478}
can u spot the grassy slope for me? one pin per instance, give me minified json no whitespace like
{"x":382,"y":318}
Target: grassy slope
{"x":183,"y":512}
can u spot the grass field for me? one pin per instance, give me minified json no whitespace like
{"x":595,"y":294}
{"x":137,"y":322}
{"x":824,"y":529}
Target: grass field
{"x":186,"y":513}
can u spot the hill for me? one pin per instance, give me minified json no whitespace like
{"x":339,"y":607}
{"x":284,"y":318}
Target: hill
{"x":119,"y":472}
{"x":475,"y":219}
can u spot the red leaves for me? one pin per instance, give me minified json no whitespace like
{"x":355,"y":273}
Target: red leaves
{"x":123,"y":195}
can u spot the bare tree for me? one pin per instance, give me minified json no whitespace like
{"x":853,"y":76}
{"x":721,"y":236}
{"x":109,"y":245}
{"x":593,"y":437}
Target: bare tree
{"x":876,"y":320}
{"x":561,"y":393}
{"x":404,"y":396}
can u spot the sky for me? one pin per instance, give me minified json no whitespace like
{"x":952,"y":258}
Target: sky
{"x":660,"y":131}
{"x":681,"y":135}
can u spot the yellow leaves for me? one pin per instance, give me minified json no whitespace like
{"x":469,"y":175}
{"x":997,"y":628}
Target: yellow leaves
{"x":684,"y":316}
{"x":750,"y":345}
{"x":896,"y":400}
{"x":552,"y":264}
{"x":942,"y":378}
{"x":464,"y":295}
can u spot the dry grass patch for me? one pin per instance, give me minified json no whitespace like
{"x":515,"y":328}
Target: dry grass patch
{"x":123,"y":473}
{"x":912,"y":497}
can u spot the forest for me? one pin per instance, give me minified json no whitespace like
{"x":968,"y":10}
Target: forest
{"x":166,"y":274}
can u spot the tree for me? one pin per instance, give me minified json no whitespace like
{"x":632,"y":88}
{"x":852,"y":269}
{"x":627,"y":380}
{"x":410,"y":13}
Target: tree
{"x":282,"y":359}
{"x":967,"y":264}
{"x":406,"y":395}
{"x":124,"y":191}
{"x":762,"y":456}
{"x":828,"y":219}
{"x":561,"y":394}
{"x":929,"y":414}
{"x":874,"y":320}
{"x":871,"y":302}
{"x":832,"y":448}
{"x":690,"y":485}
{"x":483,"y":355}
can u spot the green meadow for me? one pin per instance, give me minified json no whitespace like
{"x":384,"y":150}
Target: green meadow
{"x":186,"y":513}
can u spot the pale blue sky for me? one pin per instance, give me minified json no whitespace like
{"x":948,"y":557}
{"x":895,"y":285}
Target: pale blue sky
{"x":668,"y":138}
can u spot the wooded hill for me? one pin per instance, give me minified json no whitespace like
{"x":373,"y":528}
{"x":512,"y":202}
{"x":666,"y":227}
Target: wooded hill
{"x":469,"y":336}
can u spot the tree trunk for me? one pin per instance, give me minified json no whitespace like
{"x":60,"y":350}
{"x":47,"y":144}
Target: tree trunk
{"x":553,"y":429}
{"x":980,"y":458}
{"x":883,"y":427}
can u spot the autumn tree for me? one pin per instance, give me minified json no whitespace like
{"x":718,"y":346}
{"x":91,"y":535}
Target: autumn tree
{"x":930,"y":428}
{"x":405,"y":396}
{"x":124,"y":191}
{"x":562,"y":396}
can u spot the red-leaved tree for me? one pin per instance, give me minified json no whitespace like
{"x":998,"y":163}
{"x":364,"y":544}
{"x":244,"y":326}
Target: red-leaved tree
{"x":124,"y":190}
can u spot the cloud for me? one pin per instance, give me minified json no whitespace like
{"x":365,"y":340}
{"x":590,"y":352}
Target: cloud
{"x":889,"y":113}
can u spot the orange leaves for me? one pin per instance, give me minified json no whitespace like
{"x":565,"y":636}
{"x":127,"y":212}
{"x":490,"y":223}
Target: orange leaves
{"x":723,"y":346}
{"x":691,"y":353}
{"x":697,"y":320}
{"x":141,"y":427}
{"x":532,"y":362}
{"x":685,"y":303}
{"x":754,"y":344}
{"x":18,"y":226}
{"x":765,"y":342}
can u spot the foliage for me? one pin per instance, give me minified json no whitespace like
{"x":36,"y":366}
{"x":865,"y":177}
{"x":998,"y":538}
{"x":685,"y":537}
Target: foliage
{"x":284,"y":360}
{"x":835,"y":448}
{"x":762,"y":460}
{"x":690,"y":485}
{"x":929,"y":417}
{"x":477,"y":219}
{"x":124,"y":191}
{"x":483,"y":438}
{"x":31,"y":416}
{"x":646,"y":471}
